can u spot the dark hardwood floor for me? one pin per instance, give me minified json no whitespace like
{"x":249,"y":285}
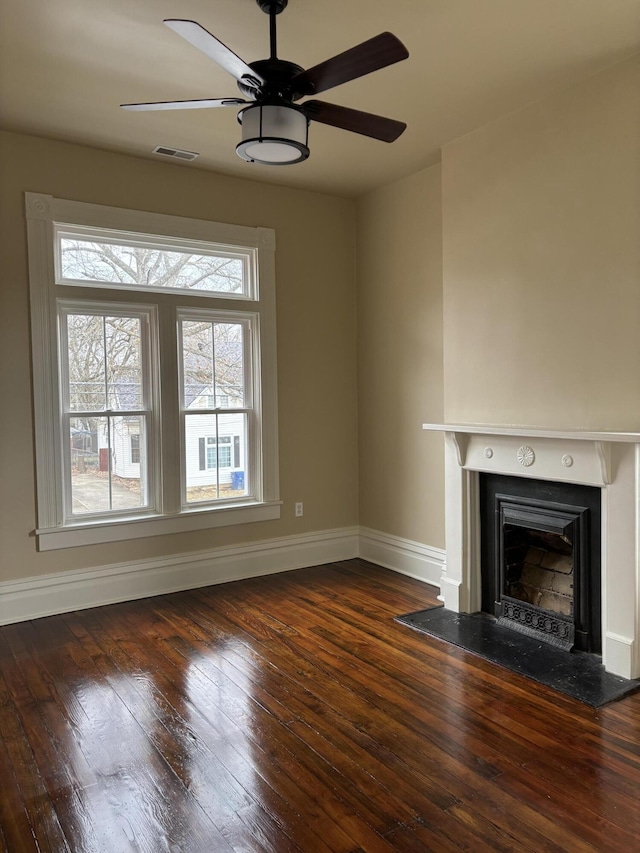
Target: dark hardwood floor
{"x":291,"y":713}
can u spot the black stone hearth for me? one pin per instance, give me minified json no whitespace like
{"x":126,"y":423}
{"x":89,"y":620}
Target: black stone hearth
{"x":579,"y":675}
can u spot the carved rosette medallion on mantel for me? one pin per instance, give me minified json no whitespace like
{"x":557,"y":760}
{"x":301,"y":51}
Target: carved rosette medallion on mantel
{"x":526,"y":456}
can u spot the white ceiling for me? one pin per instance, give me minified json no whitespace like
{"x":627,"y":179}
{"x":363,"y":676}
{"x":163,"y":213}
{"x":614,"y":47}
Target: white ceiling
{"x":66,"y":65}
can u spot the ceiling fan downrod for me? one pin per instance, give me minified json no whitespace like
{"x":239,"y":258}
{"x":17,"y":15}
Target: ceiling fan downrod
{"x":272,"y":8}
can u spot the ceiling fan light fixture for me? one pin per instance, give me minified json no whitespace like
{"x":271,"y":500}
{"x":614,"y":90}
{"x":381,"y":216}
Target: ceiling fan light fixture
{"x":273,"y":134}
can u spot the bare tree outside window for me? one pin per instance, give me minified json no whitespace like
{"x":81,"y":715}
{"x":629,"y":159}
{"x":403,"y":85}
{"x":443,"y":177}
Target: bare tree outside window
{"x":213,"y":359}
{"x":104,"y":362}
{"x":87,"y":260}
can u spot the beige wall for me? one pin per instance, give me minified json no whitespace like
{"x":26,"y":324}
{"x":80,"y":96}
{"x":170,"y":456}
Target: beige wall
{"x":400,"y":358}
{"x":542,"y":262}
{"x":316,"y":303}
{"x":539,"y":249}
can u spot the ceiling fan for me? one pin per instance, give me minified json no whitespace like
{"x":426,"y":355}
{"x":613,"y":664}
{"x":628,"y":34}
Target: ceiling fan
{"x":275,"y":129}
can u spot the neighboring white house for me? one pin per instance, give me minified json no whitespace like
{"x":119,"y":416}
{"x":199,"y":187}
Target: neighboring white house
{"x":208,"y":450}
{"x":215,"y":446}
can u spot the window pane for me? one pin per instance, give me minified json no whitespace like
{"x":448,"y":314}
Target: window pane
{"x":224,"y":452}
{"x":200,"y":447}
{"x":140,"y":266}
{"x":124,"y":366}
{"x":215,"y":451}
{"x":232,"y":448}
{"x":89,"y":465}
{"x":213,"y":365}
{"x":104,"y":477}
{"x":212,"y":453}
{"x":85,"y":349}
{"x":197,"y":365}
{"x":97,"y":382}
{"x":228,"y":342}
{"x":128,"y":478}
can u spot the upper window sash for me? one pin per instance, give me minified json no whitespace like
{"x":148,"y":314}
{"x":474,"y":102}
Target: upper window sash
{"x":107,"y":258}
{"x":147,"y":317}
{"x":250,"y":355}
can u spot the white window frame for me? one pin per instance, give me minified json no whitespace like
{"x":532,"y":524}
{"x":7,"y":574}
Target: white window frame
{"x":48,"y":216}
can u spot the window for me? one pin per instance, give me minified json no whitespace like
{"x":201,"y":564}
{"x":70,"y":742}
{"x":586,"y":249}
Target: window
{"x":218,"y":452}
{"x":139,"y":262}
{"x":104,"y":372}
{"x":154,"y":359}
{"x":217,"y":396}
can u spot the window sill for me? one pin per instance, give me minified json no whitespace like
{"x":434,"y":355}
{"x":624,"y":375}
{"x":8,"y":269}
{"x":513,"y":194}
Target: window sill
{"x":95,"y":533}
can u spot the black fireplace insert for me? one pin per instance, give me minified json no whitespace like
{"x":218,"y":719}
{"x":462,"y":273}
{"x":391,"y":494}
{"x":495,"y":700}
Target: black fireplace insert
{"x":541,"y":559}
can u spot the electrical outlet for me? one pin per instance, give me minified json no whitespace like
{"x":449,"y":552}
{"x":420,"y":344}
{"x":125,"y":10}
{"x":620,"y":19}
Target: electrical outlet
{"x":299,"y":509}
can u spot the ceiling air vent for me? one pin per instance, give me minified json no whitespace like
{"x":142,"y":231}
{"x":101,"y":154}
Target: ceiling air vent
{"x":176,"y":153}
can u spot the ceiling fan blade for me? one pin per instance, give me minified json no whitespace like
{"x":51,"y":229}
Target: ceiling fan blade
{"x":369,"y":56}
{"x":200,"y":104}
{"x":368,"y":124}
{"x":213,"y":48}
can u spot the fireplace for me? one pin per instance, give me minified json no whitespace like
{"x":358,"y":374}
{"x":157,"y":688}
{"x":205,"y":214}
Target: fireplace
{"x":605,"y":609}
{"x":540,"y":559}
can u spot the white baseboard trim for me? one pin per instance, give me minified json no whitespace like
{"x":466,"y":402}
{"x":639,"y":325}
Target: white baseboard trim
{"x":47,"y":595}
{"x":618,"y":655}
{"x":402,"y":555}
{"x":451,"y":593}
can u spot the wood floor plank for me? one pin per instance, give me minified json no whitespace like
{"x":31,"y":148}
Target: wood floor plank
{"x":314,"y":774}
{"x":17,"y":832}
{"x":146,"y":805}
{"x":369,"y":703}
{"x":61,"y":765}
{"x":576,"y":844}
{"x":212,"y":754}
{"x":448,"y":755}
{"x":291,"y":714}
{"x":43,"y":819}
{"x":218,"y":676}
{"x":457,"y":773}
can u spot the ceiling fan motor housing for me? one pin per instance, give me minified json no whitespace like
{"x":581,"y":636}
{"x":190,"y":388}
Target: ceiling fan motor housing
{"x":277,"y":75}
{"x":275,"y":6}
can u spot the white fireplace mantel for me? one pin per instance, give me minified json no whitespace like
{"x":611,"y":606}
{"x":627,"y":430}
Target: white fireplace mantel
{"x":608,"y":460}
